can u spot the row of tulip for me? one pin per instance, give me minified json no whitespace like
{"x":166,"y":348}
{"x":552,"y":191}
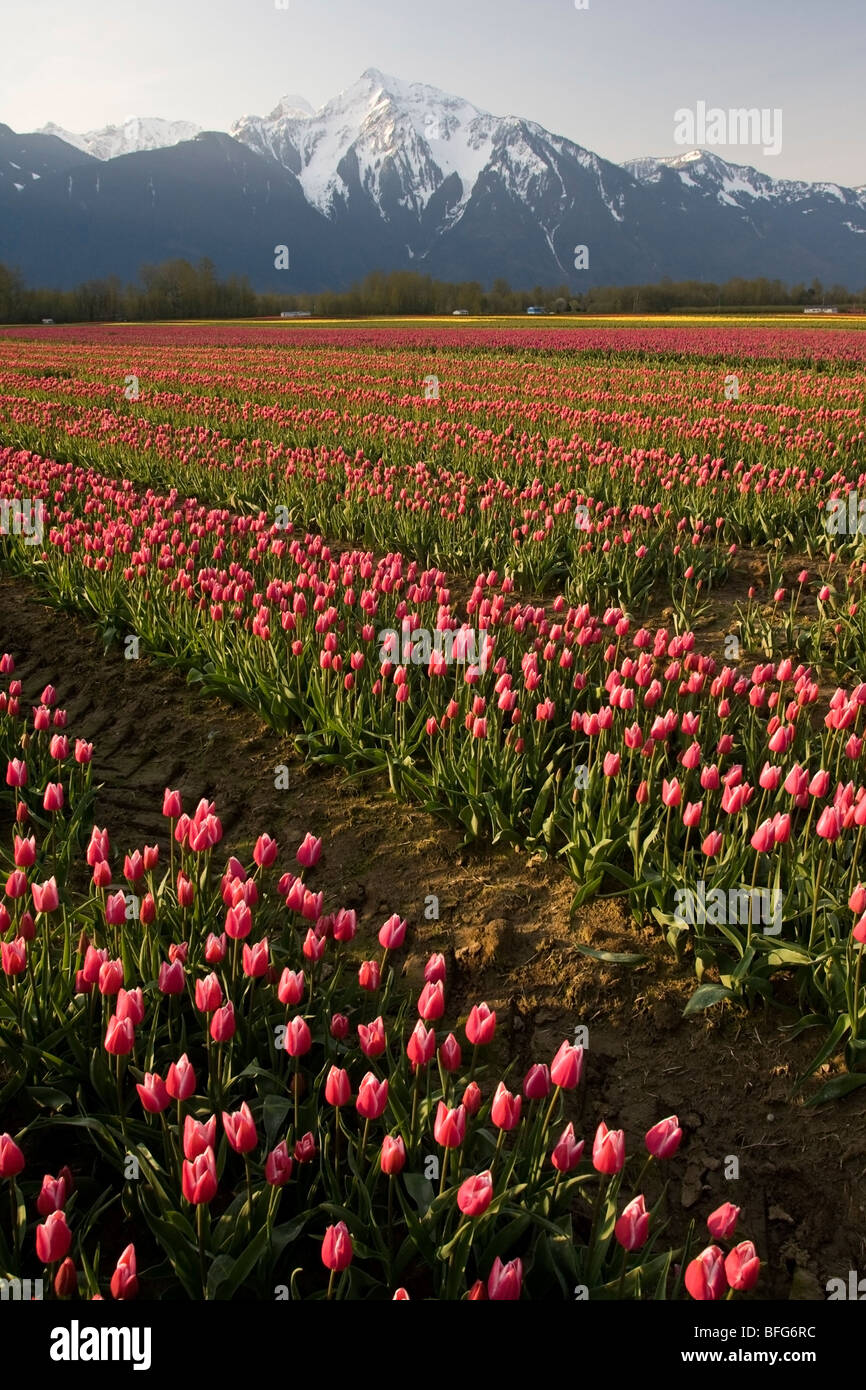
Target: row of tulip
{"x":553,"y":737}
{"x":618,"y":501}
{"x":196,"y":1040}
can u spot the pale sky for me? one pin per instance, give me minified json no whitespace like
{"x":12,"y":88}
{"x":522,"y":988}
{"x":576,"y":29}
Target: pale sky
{"x":609,"y":77}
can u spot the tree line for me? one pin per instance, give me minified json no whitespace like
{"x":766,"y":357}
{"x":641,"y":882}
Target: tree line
{"x":179,"y":290}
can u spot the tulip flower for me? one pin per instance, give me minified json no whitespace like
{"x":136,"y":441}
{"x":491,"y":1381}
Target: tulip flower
{"x":431,"y":1003}
{"x":722,"y":1222}
{"x":278,"y":1165}
{"x":171,"y":978}
{"x":371,"y":1038}
{"x":198,"y":1137}
{"x":372,"y":1097}
{"x":400,"y":1296}
{"x":435,"y":969}
{"x":45,"y":896}
{"x":11,"y":1157}
{"x":608,"y":1149}
{"x":505,"y":1110}
{"x":222,"y":1025}
{"x":369,"y":976}
{"x":705,"y":1276}
{"x":475,"y":1194}
{"x":338,"y":1088}
{"x":119,"y":1036}
{"x":208,"y":994}
{"x":199,"y":1178}
{"x":291,"y":987}
{"x":632,"y":1227}
{"x":240,"y":1129}
{"x":421,"y":1045}
{"x":567,"y":1153}
{"x":255,"y":959}
{"x":392,"y":933}
{"x":450,"y":1054}
{"x":505,"y":1281}
{"x":309,"y":851}
{"x":153,"y":1094}
{"x":337,"y":1248}
{"x":53,"y":1239}
{"x":53,"y":1194}
{"x":480,"y":1025}
{"x":13,"y":956}
{"x":664,"y":1139}
{"x":566,"y":1066}
{"x":66,"y":1279}
{"x":180,"y":1079}
{"x":124,"y":1283}
{"x":449,"y":1127}
{"x":298,"y":1037}
{"x":265,"y":851}
{"x":215,"y":948}
{"x":472,"y":1099}
{"x":393,"y":1157}
{"x":742,"y":1267}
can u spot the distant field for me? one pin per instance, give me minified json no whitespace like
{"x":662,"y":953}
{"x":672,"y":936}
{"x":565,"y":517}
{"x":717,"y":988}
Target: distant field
{"x":552,"y":321}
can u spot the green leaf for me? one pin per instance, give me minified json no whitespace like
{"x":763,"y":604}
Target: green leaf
{"x":704,"y":997}
{"x":839,"y":1086}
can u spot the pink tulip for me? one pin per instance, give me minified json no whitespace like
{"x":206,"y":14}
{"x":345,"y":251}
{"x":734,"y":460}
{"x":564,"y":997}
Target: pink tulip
{"x":392,"y":933}
{"x":475,"y":1194}
{"x":705,"y":1275}
{"x":180,"y":1079}
{"x":608,"y":1149}
{"x":372,"y":1097}
{"x":742,"y":1267}
{"x":449,"y":1127}
{"x":722,"y":1222}
{"x":480,"y":1025}
{"x":11,"y":1157}
{"x":505,"y":1281}
{"x":664,"y":1139}
{"x":278,"y":1165}
{"x":565,"y":1069}
{"x":567,"y":1153}
{"x":632,"y":1227}
{"x":309,"y":851}
{"x":240,"y":1129}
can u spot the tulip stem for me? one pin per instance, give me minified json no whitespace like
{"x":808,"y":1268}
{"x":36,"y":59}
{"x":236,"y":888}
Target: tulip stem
{"x":621,"y":1290}
{"x":414,"y":1109}
{"x":13,"y":1212}
{"x":331,"y":1284}
{"x":199,"y":1221}
{"x":444,"y":1176}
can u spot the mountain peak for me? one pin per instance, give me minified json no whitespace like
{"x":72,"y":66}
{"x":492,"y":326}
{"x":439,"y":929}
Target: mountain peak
{"x":291,"y":107}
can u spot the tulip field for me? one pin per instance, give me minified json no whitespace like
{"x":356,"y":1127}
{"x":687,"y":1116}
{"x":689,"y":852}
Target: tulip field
{"x":590,"y":597}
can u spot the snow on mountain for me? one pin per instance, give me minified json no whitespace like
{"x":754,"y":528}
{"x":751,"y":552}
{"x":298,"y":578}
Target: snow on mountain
{"x":379,"y":128}
{"x":734,"y":184}
{"x":137,"y":133}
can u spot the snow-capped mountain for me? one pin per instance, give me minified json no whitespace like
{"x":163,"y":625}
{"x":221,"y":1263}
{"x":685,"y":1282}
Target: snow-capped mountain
{"x":391,"y":175}
{"x":736,"y":184}
{"x":136,"y":133}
